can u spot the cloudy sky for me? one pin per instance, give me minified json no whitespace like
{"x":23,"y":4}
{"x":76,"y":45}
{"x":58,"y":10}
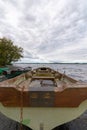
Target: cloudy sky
{"x":47,"y":30}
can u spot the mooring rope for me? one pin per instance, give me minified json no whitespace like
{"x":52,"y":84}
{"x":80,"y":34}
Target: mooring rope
{"x":21,"y":109}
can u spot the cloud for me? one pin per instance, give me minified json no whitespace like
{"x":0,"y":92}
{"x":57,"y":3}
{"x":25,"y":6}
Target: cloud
{"x":47,"y":30}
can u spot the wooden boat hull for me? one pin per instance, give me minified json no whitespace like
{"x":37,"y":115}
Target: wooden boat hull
{"x":43,"y":107}
{"x":69,"y":97}
{"x":50,"y":118}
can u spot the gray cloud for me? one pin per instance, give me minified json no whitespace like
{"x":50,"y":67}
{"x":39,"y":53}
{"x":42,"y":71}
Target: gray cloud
{"x":47,"y":30}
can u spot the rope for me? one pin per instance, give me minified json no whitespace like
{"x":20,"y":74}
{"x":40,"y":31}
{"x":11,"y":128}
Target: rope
{"x":21,"y":109}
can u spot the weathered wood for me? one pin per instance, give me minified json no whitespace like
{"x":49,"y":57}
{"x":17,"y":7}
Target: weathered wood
{"x":70,"y":97}
{"x":43,"y":87}
{"x":12,"y":97}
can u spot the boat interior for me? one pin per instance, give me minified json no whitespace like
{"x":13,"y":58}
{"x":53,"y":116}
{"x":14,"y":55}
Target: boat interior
{"x":43,"y":87}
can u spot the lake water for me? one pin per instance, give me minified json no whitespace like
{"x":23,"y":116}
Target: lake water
{"x":76,"y":71}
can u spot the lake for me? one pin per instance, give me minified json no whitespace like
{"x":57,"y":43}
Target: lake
{"x":76,"y":71}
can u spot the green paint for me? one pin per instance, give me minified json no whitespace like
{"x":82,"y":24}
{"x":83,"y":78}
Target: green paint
{"x":3,"y":69}
{"x":26,"y":121}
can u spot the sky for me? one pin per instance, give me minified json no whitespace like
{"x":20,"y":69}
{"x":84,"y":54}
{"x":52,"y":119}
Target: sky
{"x":49,"y":31}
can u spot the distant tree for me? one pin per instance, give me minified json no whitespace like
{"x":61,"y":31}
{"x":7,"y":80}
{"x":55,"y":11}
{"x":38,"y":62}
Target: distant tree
{"x":9,"y":52}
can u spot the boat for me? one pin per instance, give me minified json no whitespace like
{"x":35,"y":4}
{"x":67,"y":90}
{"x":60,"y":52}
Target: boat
{"x":43,"y":97}
{"x":11,"y":72}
